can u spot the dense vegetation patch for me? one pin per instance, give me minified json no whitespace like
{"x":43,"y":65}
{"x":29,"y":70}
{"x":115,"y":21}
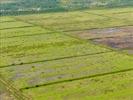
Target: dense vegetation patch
{"x":31,"y":6}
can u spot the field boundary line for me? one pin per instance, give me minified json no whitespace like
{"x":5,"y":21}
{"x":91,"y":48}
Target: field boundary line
{"x":61,"y":58}
{"x":96,"y":28}
{"x":8,"y":21}
{"x":108,"y":37}
{"x":102,"y":15}
{"x":18,"y":19}
{"x":88,"y":13}
{"x":28,"y":35}
{"x":59,"y":32}
{"x":80,"y":78}
{"x":16,"y":27}
{"x":122,"y":12}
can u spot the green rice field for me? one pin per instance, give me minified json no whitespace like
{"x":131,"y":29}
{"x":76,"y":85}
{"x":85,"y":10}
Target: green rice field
{"x":75,"y":55}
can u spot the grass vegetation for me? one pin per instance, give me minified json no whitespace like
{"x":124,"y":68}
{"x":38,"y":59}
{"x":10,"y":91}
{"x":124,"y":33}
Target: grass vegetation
{"x":81,"y":20}
{"x":41,"y":57}
{"x":112,"y":87}
{"x":41,"y":73}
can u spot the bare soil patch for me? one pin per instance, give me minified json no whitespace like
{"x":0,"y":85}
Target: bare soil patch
{"x":122,"y":42}
{"x":119,"y":37}
{"x":106,"y":32}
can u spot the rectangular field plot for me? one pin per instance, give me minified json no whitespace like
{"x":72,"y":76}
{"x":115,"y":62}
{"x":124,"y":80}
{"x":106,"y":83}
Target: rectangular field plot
{"x":82,"y":25}
{"x":9,"y":25}
{"x":79,"y":24}
{"x":52,"y":17}
{"x":112,"y":87}
{"x":104,"y":33}
{"x":43,"y":47}
{"x":120,"y":14}
{"x":80,"y":20}
{"x":26,"y":31}
{"x":73,"y":20}
{"x":120,"y":38}
{"x":41,"y":39}
{"x":50,"y":72}
{"x":125,"y":42}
